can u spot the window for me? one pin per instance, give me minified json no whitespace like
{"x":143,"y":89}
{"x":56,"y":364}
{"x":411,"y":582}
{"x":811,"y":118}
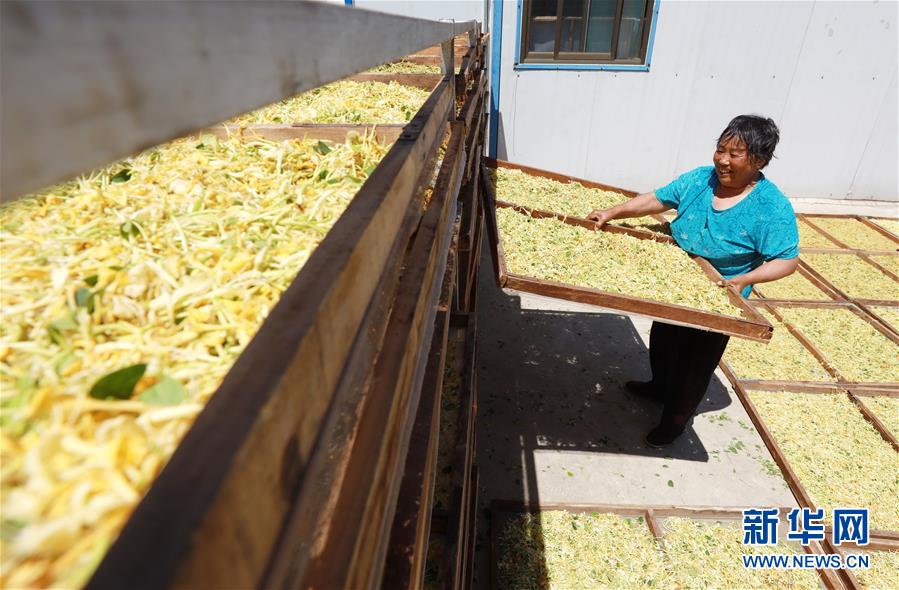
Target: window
{"x":585,"y":31}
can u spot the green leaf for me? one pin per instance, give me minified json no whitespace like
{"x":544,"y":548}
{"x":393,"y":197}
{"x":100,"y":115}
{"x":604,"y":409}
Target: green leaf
{"x":167,"y":392}
{"x":58,"y":327}
{"x":670,"y":484}
{"x":84,"y":298}
{"x":91,"y":281}
{"x":322,"y":148}
{"x":118,"y":384}
{"x":123,"y":175}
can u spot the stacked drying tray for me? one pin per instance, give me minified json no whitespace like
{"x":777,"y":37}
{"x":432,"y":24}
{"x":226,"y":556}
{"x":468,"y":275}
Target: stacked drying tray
{"x":432,"y":537}
{"x":130,"y":293}
{"x":825,"y":393}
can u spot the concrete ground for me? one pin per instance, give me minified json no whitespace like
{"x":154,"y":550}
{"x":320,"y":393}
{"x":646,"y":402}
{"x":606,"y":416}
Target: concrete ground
{"x":555,"y":425}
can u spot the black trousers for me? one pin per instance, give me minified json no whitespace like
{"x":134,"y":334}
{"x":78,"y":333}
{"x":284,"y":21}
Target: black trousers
{"x":683,"y":361}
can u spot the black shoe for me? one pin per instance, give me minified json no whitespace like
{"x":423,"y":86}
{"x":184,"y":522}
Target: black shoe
{"x":663,"y":435}
{"x":645,"y":389}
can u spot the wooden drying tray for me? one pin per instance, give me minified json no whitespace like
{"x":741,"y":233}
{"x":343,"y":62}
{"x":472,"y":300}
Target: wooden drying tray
{"x":387,"y":132}
{"x":407,"y":551}
{"x":241,"y":500}
{"x":809,"y":218}
{"x":752,"y":326}
{"x":872,"y":222}
{"x":494,"y":164}
{"x":457,"y":521}
{"x":868,"y":306}
{"x":502,"y":510}
{"x":472,"y":63}
{"x":814,"y":278}
{"x":840,"y":383}
{"x":475,"y":121}
{"x":881,"y":539}
{"x":423,"y":81}
{"x":352,"y":527}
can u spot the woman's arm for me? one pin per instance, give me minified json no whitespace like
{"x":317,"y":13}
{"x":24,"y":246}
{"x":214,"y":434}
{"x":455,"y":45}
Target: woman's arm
{"x":645,"y":204}
{"x":767,"y":272}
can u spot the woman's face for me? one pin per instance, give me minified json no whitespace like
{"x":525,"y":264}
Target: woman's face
{"x":733,"y":164}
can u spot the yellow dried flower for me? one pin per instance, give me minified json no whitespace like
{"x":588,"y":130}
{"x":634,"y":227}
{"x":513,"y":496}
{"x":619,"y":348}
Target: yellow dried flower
{"x":407,"y":67}
{"x":809,"y":237}
{"x":882,"y":573}
{"x":574,"y":199}
{"x":561,"y":550}
{"x":853,"y":276}
{"x":837,"y":455}
{"x":169,"y":260}
{"x":855,"y":348}
{"x":854,"y":233}
{"x":888,"y":224}
{"x":793,"y":286}
{"x":708,"y":555}
{"x":783,"y":358}
{"x":343,"y":102}
{"x":552,"y":250}
{"x":886,"y":409}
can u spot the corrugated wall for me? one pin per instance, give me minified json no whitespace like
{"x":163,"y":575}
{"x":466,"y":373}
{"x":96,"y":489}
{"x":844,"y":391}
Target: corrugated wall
{"x":825,"y":71}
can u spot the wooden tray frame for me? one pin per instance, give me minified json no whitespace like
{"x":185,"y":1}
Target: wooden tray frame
{"x":314,"y":356}
{"x":455,"y":524}
{"x":651,"y":514}
{"x":407,"y":553}
{"x":880,"y":538}
{"x":456,"y":521}
{"x":754,"y":328}
{"x":412,"y":521}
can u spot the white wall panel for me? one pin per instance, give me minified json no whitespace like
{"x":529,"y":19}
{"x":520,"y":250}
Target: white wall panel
{"x":822,"y":70}
{"x":848,"y":60}
{"x":877,"y":171}
{"x":743,"y":69}
{"x":460,"y":10}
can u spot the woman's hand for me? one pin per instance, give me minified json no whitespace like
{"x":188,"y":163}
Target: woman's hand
{"x":767,"y":272}
{"x":739,"y":282}
{"x":645,"y":204}
{"x":601,"y":216}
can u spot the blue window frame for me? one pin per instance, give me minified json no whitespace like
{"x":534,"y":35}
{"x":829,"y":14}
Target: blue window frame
{"x":585,"y":34}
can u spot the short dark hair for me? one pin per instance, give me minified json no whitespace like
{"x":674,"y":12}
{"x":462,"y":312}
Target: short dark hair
{"x":760,"y":134}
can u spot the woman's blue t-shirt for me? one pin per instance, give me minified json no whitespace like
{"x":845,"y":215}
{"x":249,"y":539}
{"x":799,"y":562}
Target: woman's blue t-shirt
{"x":759,"y":228}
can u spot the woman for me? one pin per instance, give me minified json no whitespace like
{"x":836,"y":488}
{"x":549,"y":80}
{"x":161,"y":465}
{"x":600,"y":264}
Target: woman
{"x":737,"y":219}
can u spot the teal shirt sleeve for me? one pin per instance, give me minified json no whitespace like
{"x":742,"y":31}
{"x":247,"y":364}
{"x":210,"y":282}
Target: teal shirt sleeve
{"x":671,"y":194}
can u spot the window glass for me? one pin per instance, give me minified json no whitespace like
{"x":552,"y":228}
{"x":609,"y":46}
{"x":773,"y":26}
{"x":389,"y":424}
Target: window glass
{"x":542,"y":31}
{"x":630,"y":33}
{"x":572,"y":34}
{"x":601,"y":23}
